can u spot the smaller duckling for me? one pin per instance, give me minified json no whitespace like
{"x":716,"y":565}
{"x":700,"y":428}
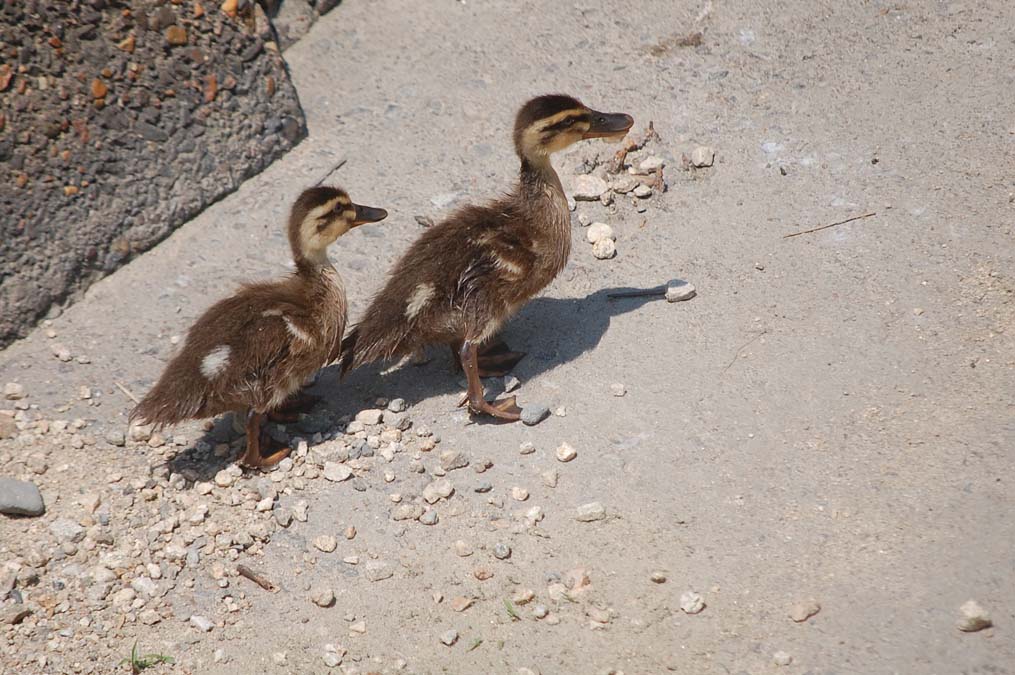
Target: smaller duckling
{"x":253,"y":351}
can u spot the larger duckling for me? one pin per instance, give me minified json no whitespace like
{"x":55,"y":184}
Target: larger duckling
{"x":251,"y":352}
{"x":463,"y":278}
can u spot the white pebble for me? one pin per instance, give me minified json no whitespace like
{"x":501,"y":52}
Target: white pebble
{"x":599,"y":231}
{"x":691,"y":602}
{"x":565,"y":453}
{"x":973,"y":617}
{"x":702,"y":156}
{"x":680,"y":292}
{"x":782,"y":658}
{"x":604,"y":249}
{"x":325,"y":543}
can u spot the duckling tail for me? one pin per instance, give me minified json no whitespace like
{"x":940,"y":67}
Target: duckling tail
{"x":167,"y":403}
{"x":383,"y":333}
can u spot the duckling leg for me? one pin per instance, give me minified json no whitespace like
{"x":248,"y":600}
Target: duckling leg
{"x":505,"y":409}
{"x":252,"y":458}
{"x":496,"y":359}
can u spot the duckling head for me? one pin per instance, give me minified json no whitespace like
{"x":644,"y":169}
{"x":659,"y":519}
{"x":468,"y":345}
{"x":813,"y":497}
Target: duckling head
{"x":321,"y":215}
{"x":548,"y":124}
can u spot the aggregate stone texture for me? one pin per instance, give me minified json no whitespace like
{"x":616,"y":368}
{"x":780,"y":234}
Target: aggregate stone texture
{"x":120,"y":121}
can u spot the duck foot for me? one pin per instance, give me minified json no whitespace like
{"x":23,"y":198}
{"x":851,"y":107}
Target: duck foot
{"x":505,"y":409}
{"x":257,"y":440}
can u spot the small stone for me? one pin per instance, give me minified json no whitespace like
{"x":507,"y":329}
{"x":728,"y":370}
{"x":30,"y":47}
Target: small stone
{"x":350,"y":533}
{"x":587,"y":513}
{"x":12,"y":615}
{"x":973,"y":617}
{"x":565,"y":453}
{"x":482,"y":573}
{"x":461,"y":603}
{"x":437,"y":490}
{"x":781,"y":658}
{"x":680,"y":292}
{"x":14,"y":391}
{"x":99,"y":89}
{"x":378,"y":570}
{"x":201,"y":623}
{"x":453,"y":459}
{"x":588,"y":188}
{"x":358,"y":628}
{"x":501,"y":551}
{"x":691,"y":602}
{"x":534,"y":413}
{"x":802,"y":611}
{"x":658,"y":577}
{"x":604,"y":249}
{"x":278,"y":658}
{"x":450,"y":637}
{"x":526,"y":448}
{"x":336,"y":472}
{"x":599,"y":231}
{"x":519,"y":494}
{"x":322,"y":595}
{"x":643,"y":191}
{"x":618,"y":389}
{"x":332,"y":660}
{"x":652,"y":163}
{"x":370,"y":417}
{"x":462,"y":548}
{"x":540,"y":611}
{"x":702,"y":156}
{"x":60,"y":352}
{"x":511,"y":383}
{"x":300,"y":509}
{"x":550,"y":477}
{"x":116,"y":438}
{"x":523,"y":596}
{"x":20,"y":498}
{"x":398,"y":405}
{"x":429,"y":517}
{"x":224,"y":478}
{"x":624,"y":184}
{"x":65,"y":529}
{"x":176,"y":36}
{"x":407,"y":511}
{"x":598,"y":615}
{"x":325,"y":543}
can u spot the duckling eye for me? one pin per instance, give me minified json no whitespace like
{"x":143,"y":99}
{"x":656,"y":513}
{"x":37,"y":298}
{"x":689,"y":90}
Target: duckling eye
{"x":569,"y":122}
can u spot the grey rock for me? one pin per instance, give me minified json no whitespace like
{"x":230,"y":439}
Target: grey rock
{"x":429,"y":517}
{"x":501,"y":551}
{"x":66,"y":530}
{"x":534,"y":413}
{"x":20,"y":498}
{"x":587,"y":513}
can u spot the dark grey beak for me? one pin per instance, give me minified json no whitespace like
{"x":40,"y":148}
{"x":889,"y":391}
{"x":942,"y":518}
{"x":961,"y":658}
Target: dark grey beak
{"x":609,"y":125}
{"x":368,"y":214}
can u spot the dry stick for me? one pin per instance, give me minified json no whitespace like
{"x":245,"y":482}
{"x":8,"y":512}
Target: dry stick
{"x":245,"y":571}
{"x":126,"y":391}
{"x":825,"y":227}
{"x":338,"y":165}
{"x":742,"y":348}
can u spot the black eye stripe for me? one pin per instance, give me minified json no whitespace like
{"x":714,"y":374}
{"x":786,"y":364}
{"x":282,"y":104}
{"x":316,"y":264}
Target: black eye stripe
{"x":568,"y":121}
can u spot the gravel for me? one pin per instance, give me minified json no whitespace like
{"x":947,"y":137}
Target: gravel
{"x":336,"y":472}
{"x":781,"y":658}
{"x":322,"y":595}
{"x":588,"y":188}
{"x":526,"y":448}
{"x":534,"y":413}
{"x":325,"y":543}
{"x":501,"y":551}
{"x":702,"y":156}
{"x":587,"y":513}
{"x":20,"y":498}
{"x":565,"y":453}
{"x":680,"y":292}
{"x":201,"y":623}
{"x":599,"y":231}
{"x":449,"y":637}
{"x":973,"y":617}
{"x":454,"y":459}
{"x":691,"y":602}
{"x":604,"y":249}
{"x":804,"y":610}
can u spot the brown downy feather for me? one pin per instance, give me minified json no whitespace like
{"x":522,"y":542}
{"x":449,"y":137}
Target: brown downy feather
{"x":255,"y":349}
{"x":467,"y":275}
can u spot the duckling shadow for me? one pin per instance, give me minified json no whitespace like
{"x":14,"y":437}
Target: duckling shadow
{"x":552,"y":332}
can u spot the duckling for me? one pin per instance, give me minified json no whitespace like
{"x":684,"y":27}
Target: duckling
{"x":464,"y":277}
{"x":251,"y":352}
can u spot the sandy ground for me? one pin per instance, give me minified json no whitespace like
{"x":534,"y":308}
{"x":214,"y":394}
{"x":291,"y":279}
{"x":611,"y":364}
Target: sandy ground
{"x":833,"y":416}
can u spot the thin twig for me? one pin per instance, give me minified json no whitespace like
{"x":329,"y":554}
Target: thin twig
{"x":126,"y":391}
{"x":742,"y":348}
{"x":825,"y":227}
{"x":338,"y":165}
{"x":245,"y":571}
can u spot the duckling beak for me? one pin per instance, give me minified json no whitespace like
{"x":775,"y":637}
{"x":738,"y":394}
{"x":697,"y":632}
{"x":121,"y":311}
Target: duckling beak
{"x":368,"y":214}
{"x":609,"y":125}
